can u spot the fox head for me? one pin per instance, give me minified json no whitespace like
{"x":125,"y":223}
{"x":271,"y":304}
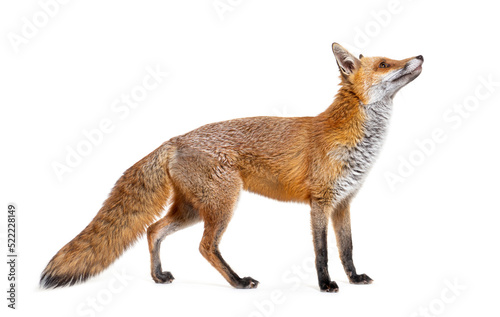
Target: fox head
{"x":373,"y":79}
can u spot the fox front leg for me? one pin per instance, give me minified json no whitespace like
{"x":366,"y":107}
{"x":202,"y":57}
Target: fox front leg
{"x":319,"y":224}
{"x":342,"y":226}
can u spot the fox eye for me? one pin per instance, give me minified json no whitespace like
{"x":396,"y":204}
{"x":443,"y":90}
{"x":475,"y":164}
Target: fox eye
{"x":383,"y":65}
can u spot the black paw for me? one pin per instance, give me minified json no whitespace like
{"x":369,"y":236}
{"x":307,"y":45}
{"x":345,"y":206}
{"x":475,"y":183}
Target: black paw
{"x":329,"y":287}
{"x":360,"y":279}
{"x":163,"y":277}
{"x":247,"y":282}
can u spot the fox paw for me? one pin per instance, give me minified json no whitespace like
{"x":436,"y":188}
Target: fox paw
{"x":360,"y":279}
{"x":163,"y":277}
{"x":329,"y":287}
{"x":247,"y":282}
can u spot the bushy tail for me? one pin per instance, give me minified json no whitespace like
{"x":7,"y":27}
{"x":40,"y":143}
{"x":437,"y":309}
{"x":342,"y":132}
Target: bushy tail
{"x":137,"y":198}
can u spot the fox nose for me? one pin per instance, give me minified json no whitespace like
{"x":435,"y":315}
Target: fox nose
{"x":420,"y":57}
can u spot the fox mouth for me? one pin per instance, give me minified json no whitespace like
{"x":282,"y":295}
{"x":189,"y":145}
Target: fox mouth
{"x":411,"y":73}
{"x":404,"y":76}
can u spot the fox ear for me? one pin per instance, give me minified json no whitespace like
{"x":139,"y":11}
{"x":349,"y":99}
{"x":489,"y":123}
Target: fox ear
{"x":348,"y":63}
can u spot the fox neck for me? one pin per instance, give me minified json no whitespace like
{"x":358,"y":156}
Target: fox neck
{"x":352,"y":118}
{"x":358,"y":132}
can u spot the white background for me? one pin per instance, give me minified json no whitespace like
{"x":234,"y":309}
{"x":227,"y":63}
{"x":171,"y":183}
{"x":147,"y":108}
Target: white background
{"x":436,"y":226}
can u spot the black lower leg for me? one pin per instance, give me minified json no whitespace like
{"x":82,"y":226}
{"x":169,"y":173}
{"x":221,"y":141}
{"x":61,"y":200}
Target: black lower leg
{"x":319,"y":224}
{"x":320,"y":246}
{"x":209,"y":248}
{"x":159,"y":276}
{"x":235,"y":280}
{"x":350,"y":270}
{"x":342,"y":227}
{"x":180,"y":215}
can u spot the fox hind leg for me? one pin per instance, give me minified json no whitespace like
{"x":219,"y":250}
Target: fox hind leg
{"x":180,"y":215}
{"x":216,"y":210}
{"x":213,"y":187}
{"x":209,"y":248}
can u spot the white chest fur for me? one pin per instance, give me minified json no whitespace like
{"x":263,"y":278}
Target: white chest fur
{"x":358,"y":160}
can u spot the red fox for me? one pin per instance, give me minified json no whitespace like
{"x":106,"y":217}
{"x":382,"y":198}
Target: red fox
{"x":321,"y":161}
